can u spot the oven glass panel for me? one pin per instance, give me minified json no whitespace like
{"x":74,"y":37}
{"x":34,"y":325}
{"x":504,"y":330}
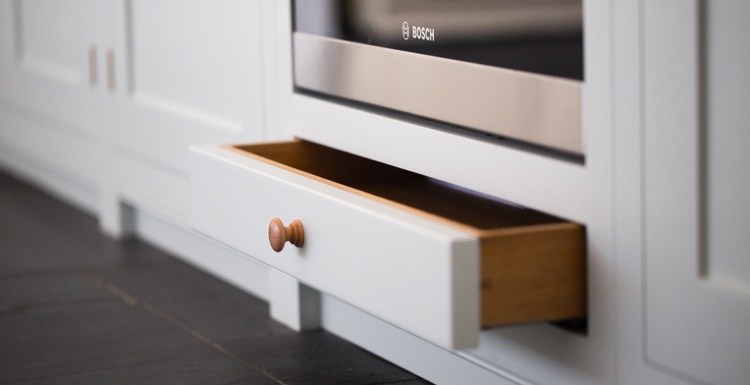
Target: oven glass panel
{"x":537,"y":36}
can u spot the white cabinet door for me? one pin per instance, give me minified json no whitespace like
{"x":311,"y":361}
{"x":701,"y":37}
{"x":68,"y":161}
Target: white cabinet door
{"x":54,"y":100}
{"x":52,"y":61}
{"x":192,"y":75}
{"x":697,"y":212}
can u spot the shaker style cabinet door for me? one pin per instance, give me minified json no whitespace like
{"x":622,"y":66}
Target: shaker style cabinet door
{"x":697,"y":212}
{"x":53,"y":60}
{"x":191,"y":74}
{"x":53,"y":95}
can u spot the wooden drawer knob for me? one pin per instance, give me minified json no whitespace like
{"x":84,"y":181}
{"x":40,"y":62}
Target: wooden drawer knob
{"x":278,"y":234}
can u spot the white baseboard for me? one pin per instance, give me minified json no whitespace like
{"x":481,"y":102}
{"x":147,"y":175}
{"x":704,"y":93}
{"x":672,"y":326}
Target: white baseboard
{"x":406,"y":350}
{"x":65,"y":188}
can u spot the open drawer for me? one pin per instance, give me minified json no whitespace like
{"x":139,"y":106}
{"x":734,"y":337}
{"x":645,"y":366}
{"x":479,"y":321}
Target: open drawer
{"x":428,"y":257}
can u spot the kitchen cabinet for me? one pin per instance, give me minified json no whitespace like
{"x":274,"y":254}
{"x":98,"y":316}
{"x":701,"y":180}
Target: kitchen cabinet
{"x":99,"y":101}
{"x":54,"y":60}
{"x":53,"y":82}
{"x":659,"y":192}
{"x":119,"y":89}
{"x":697,"y":271}
{"x":192,"y":73}
{"x":109,"y":95}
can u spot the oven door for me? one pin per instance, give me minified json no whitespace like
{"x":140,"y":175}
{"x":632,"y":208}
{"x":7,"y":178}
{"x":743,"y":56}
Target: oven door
{"x":513,"y":70}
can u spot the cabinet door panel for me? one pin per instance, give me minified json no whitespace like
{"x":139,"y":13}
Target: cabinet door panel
{"x":697,"y":213}
{"x":194,"y":75}
{"x":51,"y":65}
{"x":190,"y":65}
{"x":727,"y":179}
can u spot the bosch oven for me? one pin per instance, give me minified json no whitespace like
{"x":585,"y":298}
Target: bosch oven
{"x":505,"y":69}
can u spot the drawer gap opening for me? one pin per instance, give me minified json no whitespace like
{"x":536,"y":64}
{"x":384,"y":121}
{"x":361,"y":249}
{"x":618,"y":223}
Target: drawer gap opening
{"x":403,"y":187}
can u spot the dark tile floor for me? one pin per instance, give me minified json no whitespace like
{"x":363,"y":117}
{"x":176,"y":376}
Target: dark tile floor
{"x":79,"y":308}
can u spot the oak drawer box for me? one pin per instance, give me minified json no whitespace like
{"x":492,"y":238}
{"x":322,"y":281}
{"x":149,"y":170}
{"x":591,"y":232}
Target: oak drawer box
{"x":431,"y":258}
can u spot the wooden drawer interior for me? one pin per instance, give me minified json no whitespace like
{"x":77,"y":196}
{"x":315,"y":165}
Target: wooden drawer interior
{"x":533,"y":264}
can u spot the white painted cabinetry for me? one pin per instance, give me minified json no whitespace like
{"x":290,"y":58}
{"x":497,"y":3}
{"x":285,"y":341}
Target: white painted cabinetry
{"x":104,"y":98}
{"x":53,"y":59}
{"x":696,"y":180}
{"x":661,"y":193}
{"x":54,"y":101}
{"x":116,"y":91}
{"x":191,"y":74}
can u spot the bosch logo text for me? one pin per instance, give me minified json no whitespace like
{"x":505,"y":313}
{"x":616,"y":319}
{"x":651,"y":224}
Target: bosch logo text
{"x":417,"y":32}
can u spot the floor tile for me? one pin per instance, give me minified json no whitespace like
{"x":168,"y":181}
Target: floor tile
{"x":19,"y":293}
{"x":109,"y":343}
{"x":40,"y":234}
{"x":315,"y":358}
{"x":202,"y":302}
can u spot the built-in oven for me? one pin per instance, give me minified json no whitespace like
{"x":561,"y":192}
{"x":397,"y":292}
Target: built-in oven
{"x":506,"y":69}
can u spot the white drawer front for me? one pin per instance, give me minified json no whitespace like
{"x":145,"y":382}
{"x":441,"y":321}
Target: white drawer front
{"x":415,"y":273}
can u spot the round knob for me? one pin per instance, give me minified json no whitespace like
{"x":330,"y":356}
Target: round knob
{"x":278,"y":234}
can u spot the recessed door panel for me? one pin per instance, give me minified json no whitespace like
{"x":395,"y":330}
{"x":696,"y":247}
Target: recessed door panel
{"x":187,"y":58}
{"x":193,"y":75}
{"x":727,"y":118}
{"x":696,"y":181}
{"x":52,"y":63}
{"x":53,"y":38}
